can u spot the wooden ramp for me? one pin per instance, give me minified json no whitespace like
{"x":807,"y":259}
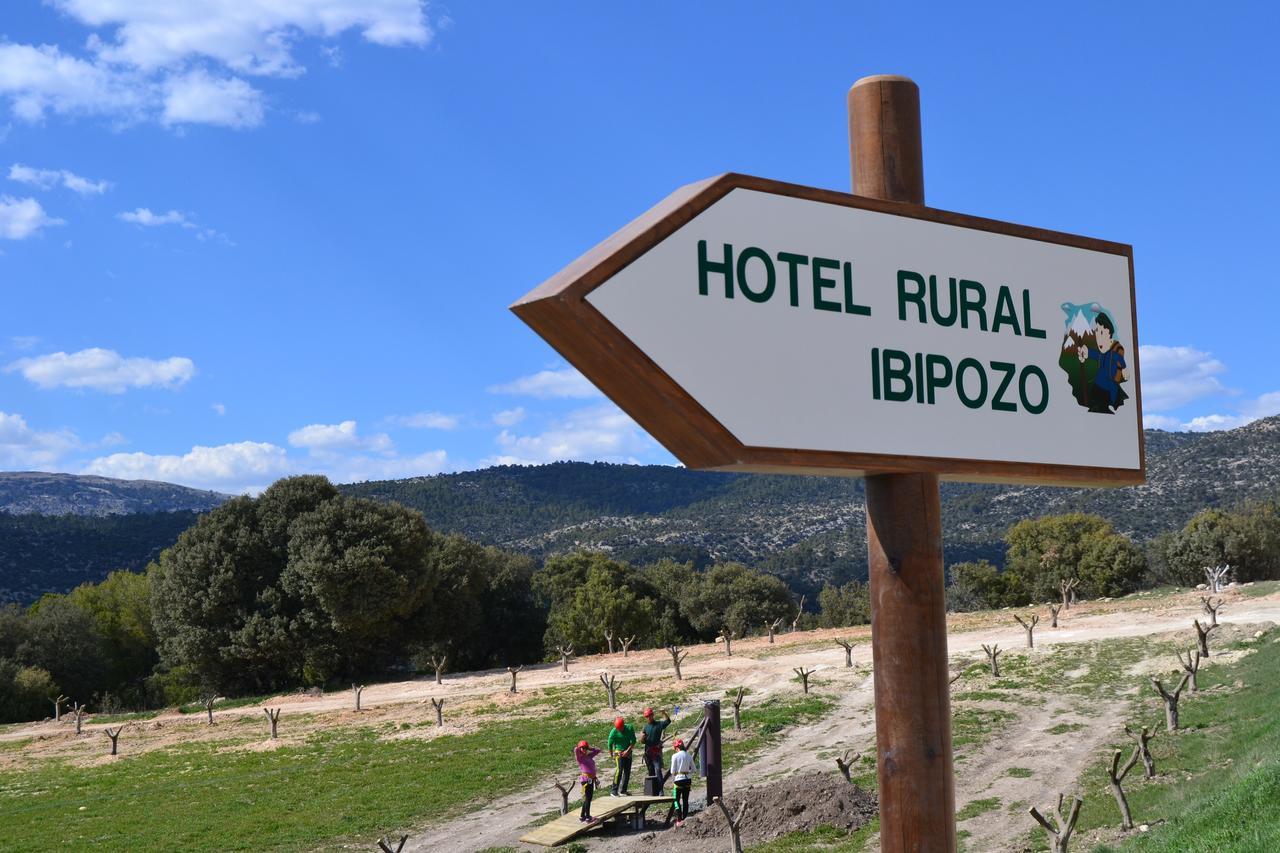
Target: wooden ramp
{"x":566,"y":827}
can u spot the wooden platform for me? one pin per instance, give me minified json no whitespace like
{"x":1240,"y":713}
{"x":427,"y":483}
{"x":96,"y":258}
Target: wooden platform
{"x":566,"y":827}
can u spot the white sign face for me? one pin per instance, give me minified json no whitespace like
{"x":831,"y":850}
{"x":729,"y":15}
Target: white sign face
{"x":808,"y":325}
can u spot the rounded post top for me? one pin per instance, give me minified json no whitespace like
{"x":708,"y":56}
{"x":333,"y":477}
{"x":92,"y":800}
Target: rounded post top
{"x":883,"y":78}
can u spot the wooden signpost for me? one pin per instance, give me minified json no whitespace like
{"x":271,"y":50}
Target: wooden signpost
{"x":753,"y":325}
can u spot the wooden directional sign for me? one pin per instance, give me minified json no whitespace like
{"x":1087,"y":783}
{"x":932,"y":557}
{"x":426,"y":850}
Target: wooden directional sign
{"x":753,"y":325}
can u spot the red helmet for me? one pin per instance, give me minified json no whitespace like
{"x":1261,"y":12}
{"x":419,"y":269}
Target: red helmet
{"x":582,"y":744}
{"x":648,"y":712}
{"x":679,"y":743}
{"x":618,"y":723}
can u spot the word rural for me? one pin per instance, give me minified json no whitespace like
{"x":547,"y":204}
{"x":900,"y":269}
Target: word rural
{"x":831,"y":284}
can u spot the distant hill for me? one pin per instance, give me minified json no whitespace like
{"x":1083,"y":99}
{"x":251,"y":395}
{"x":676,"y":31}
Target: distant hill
{"x":807,"y":530}
{"x":34,"y":492}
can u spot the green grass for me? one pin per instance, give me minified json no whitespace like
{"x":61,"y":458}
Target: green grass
{"x":977,"y":807}
{"x":1019,"y":772}
{"x":123,"y":718}
{"x":1259,"y":589}
{"x":1229,"y":747}
{"x":763,"y":723}
{"x":824,"y":839}
{"x":1063,"y":728}
{"x":223,"y":704}
{"x":975,"y":726}
{"x":336,"y":785}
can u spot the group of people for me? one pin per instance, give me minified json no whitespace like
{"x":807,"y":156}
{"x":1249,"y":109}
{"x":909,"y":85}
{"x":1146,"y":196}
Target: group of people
{"x":621,"y":743}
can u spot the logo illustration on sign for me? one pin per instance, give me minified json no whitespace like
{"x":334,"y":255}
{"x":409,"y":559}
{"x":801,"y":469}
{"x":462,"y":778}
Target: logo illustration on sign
{"x":1093,"y":358}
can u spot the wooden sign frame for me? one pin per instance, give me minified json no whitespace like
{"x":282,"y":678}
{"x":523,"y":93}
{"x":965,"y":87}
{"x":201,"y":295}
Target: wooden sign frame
{"x":559,"y":311}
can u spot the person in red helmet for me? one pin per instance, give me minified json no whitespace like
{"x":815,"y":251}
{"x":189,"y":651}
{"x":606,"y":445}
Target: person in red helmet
{"x":622,"y":741}
{"x":586,"y":754}
{"x":652,"y":736}
{"x":681,"y":779}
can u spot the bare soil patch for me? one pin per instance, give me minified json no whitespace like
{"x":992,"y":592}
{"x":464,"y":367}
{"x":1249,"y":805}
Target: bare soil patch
{"x":799,"y":803}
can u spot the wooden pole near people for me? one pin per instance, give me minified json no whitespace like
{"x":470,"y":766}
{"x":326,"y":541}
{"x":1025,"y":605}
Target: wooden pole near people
{"x":904,"y":540}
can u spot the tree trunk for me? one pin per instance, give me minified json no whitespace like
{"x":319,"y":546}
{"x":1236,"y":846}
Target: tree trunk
{"x":804,"y":677}
{"x":608,"y":636}
{"x":565,"y":653}
{"x":1060,"y":831}
{"x":847,"y":645}
{"x":737,"y":709}
{"x":439,"y":665}
{"x":1142,"y":739}
{"x":513,"y":671}
{"x":735,"y":824}
{"x":1054,"y":611}
{"x":357,"y":690}
{"x":565,"y":788}
{"x":438,"y":704}
{"x":799,"y":612}
{"x":1170,"y":701}
{"x":1202,"y":638}
{"x":676,"y":657}
{"x":727,"y":636}
{"x":993,"y":658}
{"x":1029,"y":626}
{"x":273,"y":714}
{"x":846,"y":762}
{"x":626,"y":645}
{"x":1191,"y":666}
{"x":1115,"y":778}
{"x":611,"y":689}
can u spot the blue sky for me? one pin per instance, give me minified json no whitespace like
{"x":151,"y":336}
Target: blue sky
{"x":244,"y":238}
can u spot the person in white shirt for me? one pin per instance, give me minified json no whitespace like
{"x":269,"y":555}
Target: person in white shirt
{"x":682,"y":778}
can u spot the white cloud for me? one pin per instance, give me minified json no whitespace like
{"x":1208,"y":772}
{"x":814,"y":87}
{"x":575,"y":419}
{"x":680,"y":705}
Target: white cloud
{"x":199,"y":98}
{"x":143,"y":216}
{"x":49,"y":178}
{"x":546,"y":384}
{"x":1247,"y":412}
{"x":243,"y":466}
{"x":509,"y":417}
{"x":184,"y":62}
{"x":425,"y":420}
{"x":21,"y":218}
{"x":24,"y":342}
{"x":248,"y":36}
{"x":598,"y":433}
{"x":219,"y":408}
{"x":328,"y":438}
{"x":1174,"y":376}
{"x":354,"y":469}
{"x":42,"y":79}
{"x":103,"y":370}
{"x":22,"y":447}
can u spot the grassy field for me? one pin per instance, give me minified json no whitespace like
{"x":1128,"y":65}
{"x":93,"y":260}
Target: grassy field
{"x":1218,"y":779}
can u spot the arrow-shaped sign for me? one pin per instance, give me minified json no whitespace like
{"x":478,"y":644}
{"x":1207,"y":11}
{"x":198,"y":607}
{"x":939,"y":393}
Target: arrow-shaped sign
{"x":754,"y":325}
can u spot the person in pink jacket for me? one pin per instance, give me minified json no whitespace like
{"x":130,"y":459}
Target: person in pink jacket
{"x":586,"y":754}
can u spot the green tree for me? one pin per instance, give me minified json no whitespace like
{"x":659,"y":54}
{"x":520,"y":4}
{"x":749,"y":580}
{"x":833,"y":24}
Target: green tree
{"x":982,"y":586}
{"x":1045,"y":551}
{"x":672,"y":583}
{"x":24,"y":692}
{"x":62,"y":640}
{"x":120,"y":609}
{"x":589,"y":593}
{"x":733,"y":596}
{"x":842,"y":606}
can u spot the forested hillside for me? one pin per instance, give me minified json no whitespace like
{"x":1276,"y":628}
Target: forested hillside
{"x":807,"y":530}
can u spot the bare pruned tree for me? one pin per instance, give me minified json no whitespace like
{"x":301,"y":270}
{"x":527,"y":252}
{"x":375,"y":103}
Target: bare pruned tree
{"x":1202,"y":638}
{"x":1115,"y":778}
{"x":804,"y":676}
{"x":1054,"y":609}
{"x":384,"y":844}
{"x":357,"y":689}
{"x":846,"y":763}
{"x":78,"y":709}
{"x":627,"y":643}
{"x":114,"y":734}
{"x":1060,"y":830}
{"x":566,"y":652}
{"x":610,"y":683}
{"x":1170,"y":701}
{"x":1191,"y":666}
{"x":57,"y":706}
{"x":208,"y":702}
{"x":438,"y":666}
{"x":273,"y":714}
{"x":847,"y":645}
{"x":565,"y":789}
{"x":1068,"y":589}
{"x":1029,"y":627}
{"x":1142,"y":739}
{"x":513,"y":670}
{"x":993,"y":658}
{"x":1211,"y":610}
{"x":737,"y":708}
{"x":438,"y":704}
{"x":735,"y":823}
{"x":677,"y":657}
{"x":1214,"y":577}
{"x":799,"y":612}
{"x":772,"y":627}
{"x":608,"y":637}
{"x":727,"y":635}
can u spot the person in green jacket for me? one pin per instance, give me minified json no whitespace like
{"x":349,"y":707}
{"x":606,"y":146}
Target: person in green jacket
{"x":653,"y":734}
{"x":622,"y":741}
